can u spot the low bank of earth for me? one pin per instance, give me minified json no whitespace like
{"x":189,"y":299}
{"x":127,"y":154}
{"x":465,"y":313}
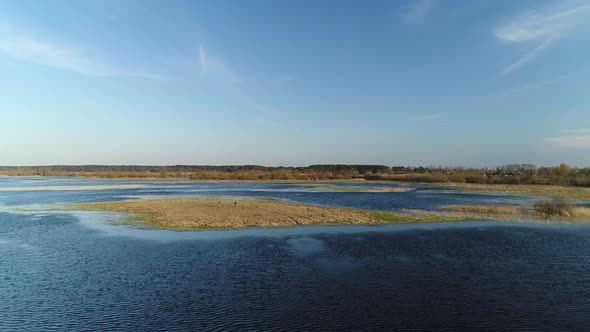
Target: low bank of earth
{"x":199,"y":214}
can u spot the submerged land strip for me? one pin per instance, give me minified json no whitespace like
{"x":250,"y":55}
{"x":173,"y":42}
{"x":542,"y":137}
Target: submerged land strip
{"x":202,"y":214}
{"x":76,"y":188}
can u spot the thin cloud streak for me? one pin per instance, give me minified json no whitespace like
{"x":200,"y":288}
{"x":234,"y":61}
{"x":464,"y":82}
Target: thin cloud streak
{"x":527,"y":57}
{"x":548,"y":22}
{"x":59,"y":57}
{"x":542,"y":26}
{"x":544,"y":83}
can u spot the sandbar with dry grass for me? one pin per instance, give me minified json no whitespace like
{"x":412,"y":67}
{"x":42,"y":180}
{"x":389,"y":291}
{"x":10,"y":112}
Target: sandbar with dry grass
{"x":542,"y":210}
{"x":534,"y":190}
{"x":195,"y":214}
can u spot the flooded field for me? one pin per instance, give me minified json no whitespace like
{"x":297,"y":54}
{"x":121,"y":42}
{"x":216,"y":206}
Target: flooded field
{"x":75,"y":271}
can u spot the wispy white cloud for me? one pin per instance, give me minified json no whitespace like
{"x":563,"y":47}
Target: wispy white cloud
{"x":541,"y":27}
{"x":579,"y":141}
{"x":418,"y":12}
{"x":215,"y":67}
{"x":547,"y":22}
{"x":50,"y":54}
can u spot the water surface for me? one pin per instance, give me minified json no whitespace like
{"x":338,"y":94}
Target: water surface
{"x":76,"y":271}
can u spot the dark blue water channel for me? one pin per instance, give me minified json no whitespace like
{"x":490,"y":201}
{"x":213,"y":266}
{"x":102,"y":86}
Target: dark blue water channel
{"x":63,"y":271}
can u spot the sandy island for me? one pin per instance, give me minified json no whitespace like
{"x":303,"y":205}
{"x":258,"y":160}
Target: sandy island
{"x":220,"y":213}
{"x":213,"y":213}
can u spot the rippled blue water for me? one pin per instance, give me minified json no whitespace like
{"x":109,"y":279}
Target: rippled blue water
{"x":75,"y":271}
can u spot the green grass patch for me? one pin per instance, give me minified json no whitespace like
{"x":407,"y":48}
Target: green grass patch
{"x":416,"y":217}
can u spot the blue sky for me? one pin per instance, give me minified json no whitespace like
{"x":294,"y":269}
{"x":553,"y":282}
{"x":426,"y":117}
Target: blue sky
{"x":424,"y":82}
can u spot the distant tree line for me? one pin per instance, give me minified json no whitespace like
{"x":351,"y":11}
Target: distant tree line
{"x":507,"y":174}
{"x":339,"y":168}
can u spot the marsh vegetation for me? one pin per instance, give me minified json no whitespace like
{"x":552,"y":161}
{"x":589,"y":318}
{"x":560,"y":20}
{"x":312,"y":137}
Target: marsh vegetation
{"x":543,"y":209}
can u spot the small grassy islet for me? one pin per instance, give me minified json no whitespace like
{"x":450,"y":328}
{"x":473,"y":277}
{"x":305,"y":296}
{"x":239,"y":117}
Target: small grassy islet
{"x":199,"y":214}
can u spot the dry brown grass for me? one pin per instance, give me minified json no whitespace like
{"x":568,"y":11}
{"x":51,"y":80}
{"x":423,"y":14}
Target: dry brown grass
{"x":581,"y":212}
{"x":506,"y":210}
{"x":566,"y":192}
{"x":485,"y":209}
{"x":222,"y":213}
{"x":189,"y":214}
{"x":212,"y":213}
